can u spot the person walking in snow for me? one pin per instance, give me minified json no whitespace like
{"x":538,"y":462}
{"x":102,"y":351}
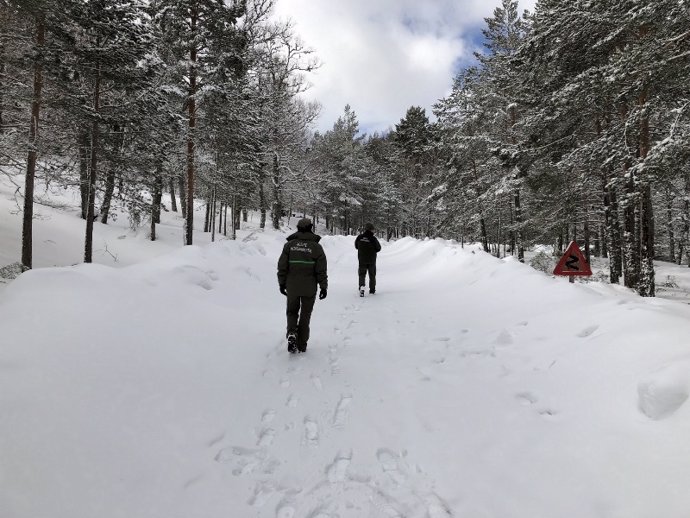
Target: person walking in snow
{"x":301,"y":268}
{"x":367,"y":247}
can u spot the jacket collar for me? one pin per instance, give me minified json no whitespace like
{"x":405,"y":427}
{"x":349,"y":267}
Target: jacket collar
{"x":304,"y":236}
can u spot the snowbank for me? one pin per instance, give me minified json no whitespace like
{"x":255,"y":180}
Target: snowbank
{"x":467,"y":386}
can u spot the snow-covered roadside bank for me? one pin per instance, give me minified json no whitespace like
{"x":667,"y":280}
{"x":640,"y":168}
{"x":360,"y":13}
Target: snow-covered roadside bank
{"x":467,"y":386}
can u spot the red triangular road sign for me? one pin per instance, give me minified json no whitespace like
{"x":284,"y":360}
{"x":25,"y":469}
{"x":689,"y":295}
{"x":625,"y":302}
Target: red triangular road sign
{"x":572,"y":262}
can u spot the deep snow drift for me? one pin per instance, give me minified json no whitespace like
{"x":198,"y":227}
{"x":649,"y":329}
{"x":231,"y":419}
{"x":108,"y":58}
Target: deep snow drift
{"x":467,"y":386}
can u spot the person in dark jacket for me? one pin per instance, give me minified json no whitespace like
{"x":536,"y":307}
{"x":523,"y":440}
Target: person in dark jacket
{"x":301,"y":267}
{"x":367,"y":247}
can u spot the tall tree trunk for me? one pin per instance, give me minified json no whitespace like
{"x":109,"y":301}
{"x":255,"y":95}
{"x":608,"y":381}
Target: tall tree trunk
{"x":647,"y":286}
{"x":234,"y":212}
{"x":262,"y":201}
{"x":669,"y":226}
{"x":84,"y":171}
{"x":225,"y":221}
{"x":499,"y":236}
{"x":587,"y":237}
{"x":220,"y":218}
{"x":213,"y":217}
{"x":631,"y":252}
{"x":157,"y":193}
{"x":614,"y":235}
{"x":207,"y":216}
{"x":183,"y":196}
{"x":683,"y":242}
{"x":518,"y":227}
{"x":245,"y":215}
{"x":482,"y":221}
{"x":173,"y":199}
{"x":602,"y":241}
{"x":93,"y":170}
{"x":191,"y":137}
{"x":108,"y":195}
{"x":277,"y":205}
{"x":28,"y":217}
{"x":4,"y":21}
{"x":110,"y":177}
{"x":511,"y":234}
{"x":485,"y":237}
{"x":156,"y":197}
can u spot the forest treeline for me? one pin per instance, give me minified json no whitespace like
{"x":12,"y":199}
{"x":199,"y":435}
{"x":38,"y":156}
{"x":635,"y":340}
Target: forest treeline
{"x":573,"y":122}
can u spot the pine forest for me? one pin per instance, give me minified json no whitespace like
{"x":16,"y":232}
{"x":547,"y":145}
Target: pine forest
{"x":572,"y":123}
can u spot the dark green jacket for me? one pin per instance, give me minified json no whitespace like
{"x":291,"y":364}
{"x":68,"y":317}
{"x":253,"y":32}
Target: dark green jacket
{"x":302,"y":265}
{"x":367,"y":247}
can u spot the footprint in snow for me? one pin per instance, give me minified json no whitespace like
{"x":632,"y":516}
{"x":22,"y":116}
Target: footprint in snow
{"x":390,"y":464}
{"x":317,"y":382}
{"x":215,"y":440}
{"x":292,"y":401}
{"x":193,"y":481}
{"x":268,"y":415}
{"x":262,"y":492}
{"x":266,"y":437}
{"x":526,"y":398}
{"x":320,"y":512}
{"x":311,"y":432}
{"x":504,"y":338}
{"x":336,"y":471}
{"x":425,"y":374}
{"x":587,"y":331}
{"x":246,"y":461}
{"x":285,"y":510}
{"x":436,"y":507}
{"x":341,"y":411}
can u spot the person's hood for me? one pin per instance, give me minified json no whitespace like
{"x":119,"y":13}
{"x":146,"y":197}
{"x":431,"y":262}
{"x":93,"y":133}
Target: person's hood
{"x":304,"y":236}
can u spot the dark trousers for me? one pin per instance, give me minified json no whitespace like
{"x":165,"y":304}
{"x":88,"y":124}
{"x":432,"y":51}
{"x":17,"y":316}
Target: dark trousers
{"x":371,"y":269}
{"x":298,"y":316}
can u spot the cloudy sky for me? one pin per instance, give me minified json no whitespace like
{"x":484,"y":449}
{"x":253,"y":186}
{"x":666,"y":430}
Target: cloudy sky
{"x":383,"y":56}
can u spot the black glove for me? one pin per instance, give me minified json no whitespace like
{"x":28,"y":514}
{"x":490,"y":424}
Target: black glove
{"x":283,"y":289}
{"x":322,"y":294}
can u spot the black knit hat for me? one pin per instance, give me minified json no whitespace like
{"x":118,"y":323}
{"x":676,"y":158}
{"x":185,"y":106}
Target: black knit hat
{"x":369,"y":226}
{"x":304,"y":224}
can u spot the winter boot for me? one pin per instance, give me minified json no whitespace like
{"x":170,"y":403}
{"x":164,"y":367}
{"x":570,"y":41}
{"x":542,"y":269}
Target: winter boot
{"x":292,"y":342}
{"x":361,"y":291}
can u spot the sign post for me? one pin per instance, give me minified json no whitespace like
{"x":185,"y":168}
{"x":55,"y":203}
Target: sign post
{"x":573,"y":263}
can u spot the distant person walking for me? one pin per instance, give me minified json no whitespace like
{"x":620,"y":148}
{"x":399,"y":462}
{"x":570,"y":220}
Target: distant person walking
{"x":301,"y":267}
{"x":367,"y":247}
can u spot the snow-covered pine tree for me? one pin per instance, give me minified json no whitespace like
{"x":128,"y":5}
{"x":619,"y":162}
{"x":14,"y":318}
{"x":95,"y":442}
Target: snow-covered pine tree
{"x":191,"y":28}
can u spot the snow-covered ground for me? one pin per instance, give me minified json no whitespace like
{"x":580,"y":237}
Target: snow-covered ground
{"x":468,"y":386}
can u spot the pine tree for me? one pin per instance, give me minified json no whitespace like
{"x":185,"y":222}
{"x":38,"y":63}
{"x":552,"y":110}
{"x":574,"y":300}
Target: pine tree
{"x":192,"y":30}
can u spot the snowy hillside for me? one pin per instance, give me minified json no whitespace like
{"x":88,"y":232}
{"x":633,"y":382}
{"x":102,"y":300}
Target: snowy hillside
{"x":59,"y":231}
{"x":467,"y":386}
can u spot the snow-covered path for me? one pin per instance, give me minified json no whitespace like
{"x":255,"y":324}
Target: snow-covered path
{"x":466,"y":387}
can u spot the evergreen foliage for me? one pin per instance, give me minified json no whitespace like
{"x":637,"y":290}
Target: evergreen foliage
{"x":573,"y":123}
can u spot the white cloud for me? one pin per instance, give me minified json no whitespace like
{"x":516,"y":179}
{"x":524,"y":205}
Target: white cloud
{"x":383,"y":56}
